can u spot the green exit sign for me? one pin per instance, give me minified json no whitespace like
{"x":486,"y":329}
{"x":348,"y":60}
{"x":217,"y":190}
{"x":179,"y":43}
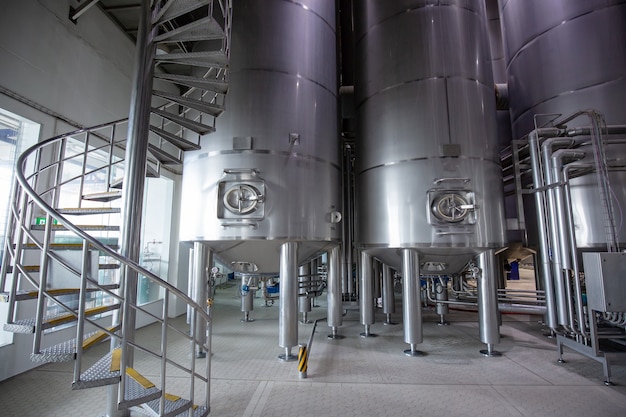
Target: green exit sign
{"x":40,"y":221}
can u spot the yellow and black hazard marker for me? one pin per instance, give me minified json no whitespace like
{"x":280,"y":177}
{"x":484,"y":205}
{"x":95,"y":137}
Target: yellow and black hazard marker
{"x":303,"y":359}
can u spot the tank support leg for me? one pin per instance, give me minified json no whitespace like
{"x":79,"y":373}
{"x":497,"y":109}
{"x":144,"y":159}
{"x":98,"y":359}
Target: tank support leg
{"x":488,"y":302}
{"x":411,"y":301}
{"x":203,"y":260}
{"x":335,"y":302}
{"x":367,"y":294}
{"x":288,"y":314}
{"x":389,"y":302}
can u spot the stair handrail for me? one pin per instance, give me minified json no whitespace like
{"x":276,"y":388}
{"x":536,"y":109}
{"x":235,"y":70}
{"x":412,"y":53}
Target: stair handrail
{"x":26,"y":196}
{"x":26,"y":188}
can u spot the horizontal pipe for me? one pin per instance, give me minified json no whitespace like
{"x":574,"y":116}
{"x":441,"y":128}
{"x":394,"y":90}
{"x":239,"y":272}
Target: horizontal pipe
{"x":586,"y":130}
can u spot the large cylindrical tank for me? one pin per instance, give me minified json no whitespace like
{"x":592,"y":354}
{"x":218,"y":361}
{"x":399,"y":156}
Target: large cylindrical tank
{"x":428,"y":172}
{"x":564,"y":56}
{"x":271,"y":172}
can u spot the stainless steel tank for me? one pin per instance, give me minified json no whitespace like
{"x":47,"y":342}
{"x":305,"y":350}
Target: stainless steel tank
{"x":564,"y":56}
{"x":428,"y":172}
{"x":271,"y":172}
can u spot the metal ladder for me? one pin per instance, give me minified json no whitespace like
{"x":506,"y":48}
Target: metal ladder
{"x":70,"y":272}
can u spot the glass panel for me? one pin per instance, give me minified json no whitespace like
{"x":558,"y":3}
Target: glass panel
{"x":16,"y":135}
{"x":155,"y":236}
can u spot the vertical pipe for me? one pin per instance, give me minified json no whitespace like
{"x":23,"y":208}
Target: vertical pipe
{"x":488,"y":302}
{"x":411,"y":301}
{"x":572,"y":238}
{"x":315,"y":264}
{"x":366,"y":294}
{"x":133,"y":186}
{"x":247,"y":296}
{"x":563,"y":226}
{"x":441,"y":294}
{"x":348,"y":283}
{"x":335,"y":303}
{"x":164,"y":327}
{"x":304,"y":285}
{"x":376,"y":281}
{"x":553,"y":228}
{"x":207,"y":393}
{"x":82,"y":299}
{"x":288,"y":300}
{"x":544,"y":250}
{"x":202,"y":262}
{"x":190,"y":287}
{"x":389,"y":299}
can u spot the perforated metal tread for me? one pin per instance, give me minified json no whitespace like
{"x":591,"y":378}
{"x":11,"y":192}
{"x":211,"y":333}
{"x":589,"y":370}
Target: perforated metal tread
{"x":162,"y":156}
{"x":217,"y":86}
{"x":66,"y":351}
{"x":86,"y":227}
{"x":175,"y":140}
{"x":22,"y":295}
{"x":136,"y":394}
{"x":37,"y":268}
{"x":199,"y":30}
{"x":202,"y":106}
{"x":99,"y":374}
{"x":171,"y":408}
{"x":198,"y":411}
{"x":206,"y":59}
{"x":175,"y":8}
{"x":197,"y":127}
{"x":65,"y":246}
{"x":103,"y":197}
{"x":80,"y":211}
{"x":28,"y":325}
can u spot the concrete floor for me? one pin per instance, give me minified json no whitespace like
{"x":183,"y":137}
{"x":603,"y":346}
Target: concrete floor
{"x":360,"y":376}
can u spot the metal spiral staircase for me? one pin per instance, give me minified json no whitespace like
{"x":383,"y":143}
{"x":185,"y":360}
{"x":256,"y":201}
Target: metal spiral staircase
{"x":69,"y":271}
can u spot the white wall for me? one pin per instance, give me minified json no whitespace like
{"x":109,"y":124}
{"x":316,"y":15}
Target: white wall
{"x":81,"y":71}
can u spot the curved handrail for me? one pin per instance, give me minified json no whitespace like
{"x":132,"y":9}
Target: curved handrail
{"x":21,"y":178}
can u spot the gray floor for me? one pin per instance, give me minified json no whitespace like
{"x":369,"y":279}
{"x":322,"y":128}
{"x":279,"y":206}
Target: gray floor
{"x":361,"y":376}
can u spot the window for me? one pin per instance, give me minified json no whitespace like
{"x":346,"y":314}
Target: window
{"x":16,"y":135}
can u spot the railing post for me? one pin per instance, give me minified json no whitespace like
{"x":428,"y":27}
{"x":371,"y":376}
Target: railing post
{"x":82,"y":299}
{"x":164,"y":325}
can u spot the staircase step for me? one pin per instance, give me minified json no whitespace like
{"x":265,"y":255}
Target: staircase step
{"x":202,"y":106}
{"x":104,"y":196}
{"x":138,"y":390}
{"x":206,"y":59}
{"x":175,"y":140}
{"x":86,"y":227}
{"x":66,"y":246}
{"x":23,"y":295}
{"x":66,"y":351}
{"x":198,"y":30}
{"x":175,"y":8}
{"x":173,"y":406}
{"x":164,"y":157}
{"x":99,"y":374}
{"x":150,"y":173}
{"x":217,"y":86}
{"x":198,"y":411}
{"x":89,"y":210}
{"x":197,"y":127}
{"x":28,"y":325}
